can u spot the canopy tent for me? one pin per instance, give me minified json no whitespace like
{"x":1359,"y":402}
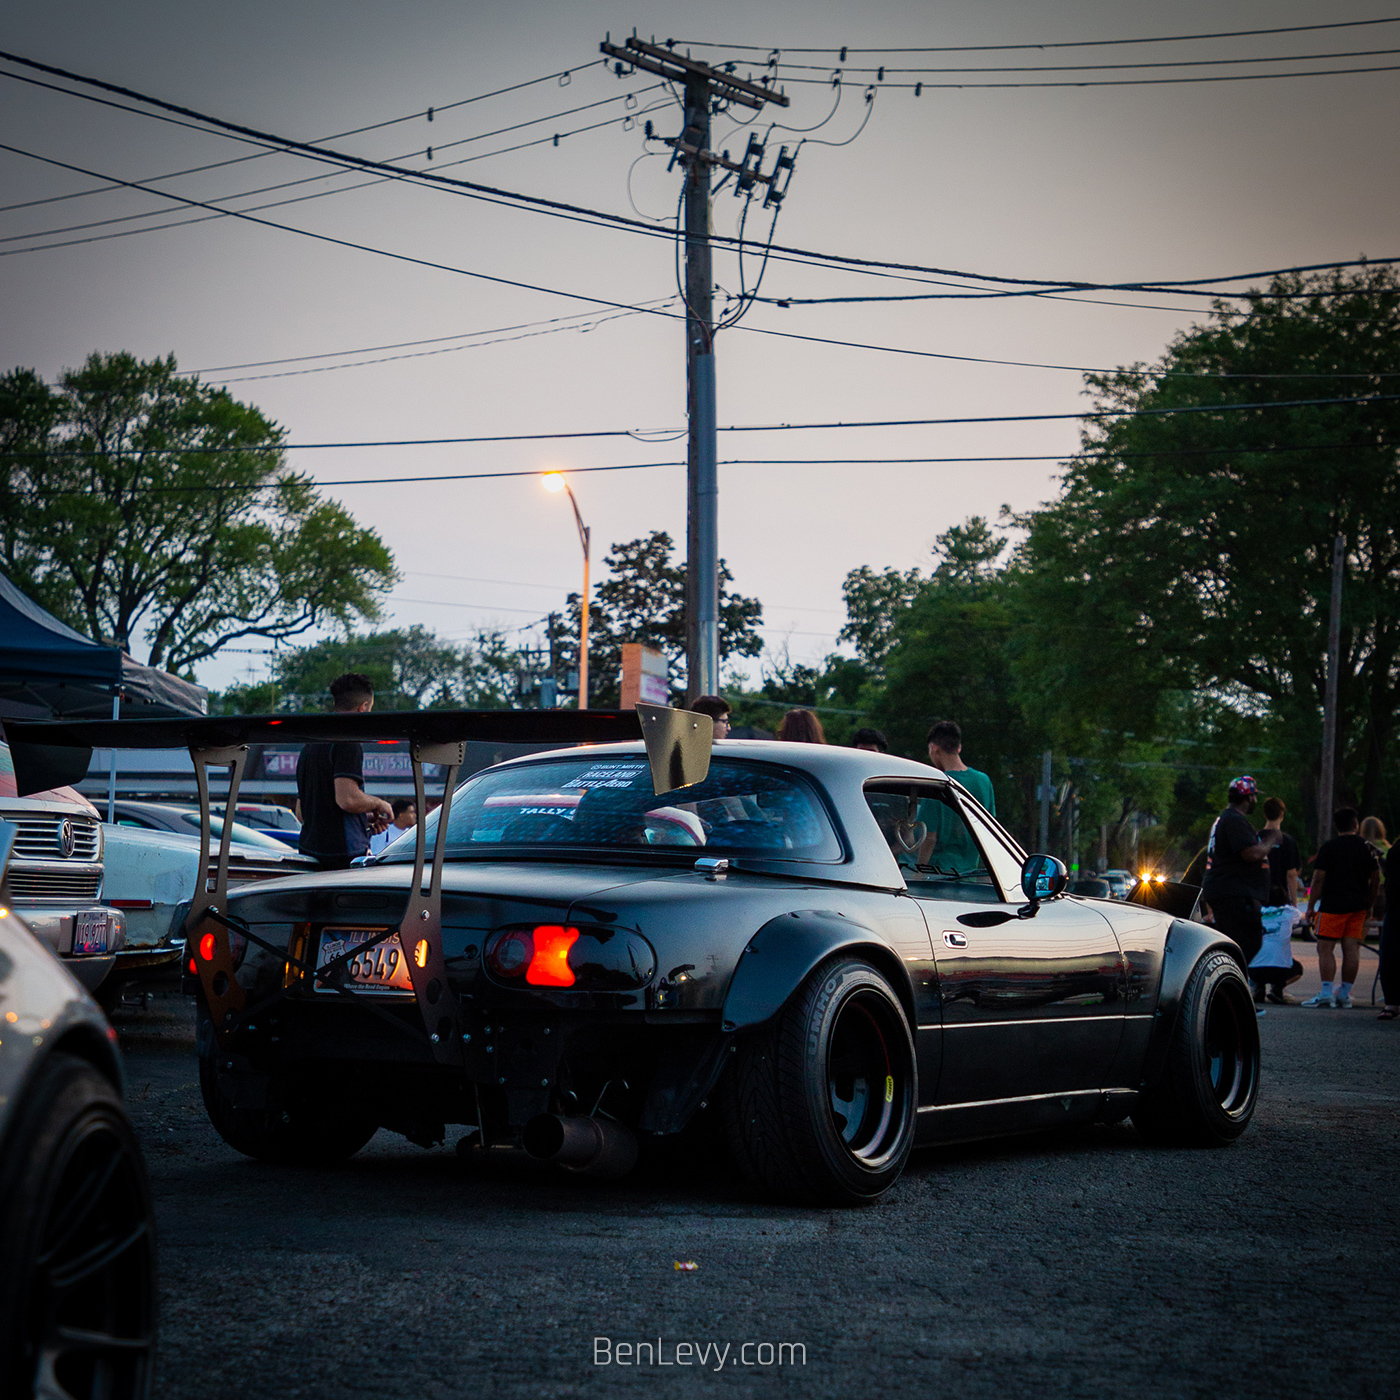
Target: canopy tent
{"x":47,"y":670}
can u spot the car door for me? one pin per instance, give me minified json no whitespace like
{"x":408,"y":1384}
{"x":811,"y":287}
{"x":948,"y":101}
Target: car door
{"x":1031,"y":1007}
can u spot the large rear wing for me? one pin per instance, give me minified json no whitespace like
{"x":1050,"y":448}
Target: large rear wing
{"x":56,"y":753}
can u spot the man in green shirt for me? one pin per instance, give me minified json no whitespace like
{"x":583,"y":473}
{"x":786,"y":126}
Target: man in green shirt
{"x":945,"y":753}
{"x":949,"y":844}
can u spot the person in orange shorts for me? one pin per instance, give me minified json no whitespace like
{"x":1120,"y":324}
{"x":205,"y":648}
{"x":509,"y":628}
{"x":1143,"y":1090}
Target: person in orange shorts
{"x":1346,"y":877}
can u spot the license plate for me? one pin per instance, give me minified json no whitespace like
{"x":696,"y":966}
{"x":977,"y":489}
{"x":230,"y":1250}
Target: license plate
{"x":380,"y":969}
{"x":90,"y":932}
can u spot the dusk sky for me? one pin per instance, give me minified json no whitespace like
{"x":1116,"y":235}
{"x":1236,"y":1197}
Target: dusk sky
{"x":1095,"y":183}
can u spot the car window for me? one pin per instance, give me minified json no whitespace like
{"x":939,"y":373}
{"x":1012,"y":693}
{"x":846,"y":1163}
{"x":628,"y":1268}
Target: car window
{"x":740,"y":809}
{"x":244,"y":835}
{"x":1005,"y":863}
{"x":928,"y":836}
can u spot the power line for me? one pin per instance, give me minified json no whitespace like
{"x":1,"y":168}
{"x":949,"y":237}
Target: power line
{"x":556,"y":137}
{"x":1091,"y":67}
{"x":563,"y":75}
{"x":637,"y":433}
{"x":624,"y":306}
{"x":581,"y":324}
{"x":1131,"y":82}
{"x":1060,"y":44}
{"x":574,"y":212}
{"x":642,"y":434}
{"x":755,"y":462}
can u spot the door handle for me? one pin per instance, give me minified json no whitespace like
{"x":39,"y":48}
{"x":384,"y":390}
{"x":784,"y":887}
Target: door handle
{"x":955,"y":940}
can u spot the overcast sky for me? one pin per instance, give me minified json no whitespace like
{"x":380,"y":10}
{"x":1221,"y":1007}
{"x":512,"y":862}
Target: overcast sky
{"x":1103,"y":184}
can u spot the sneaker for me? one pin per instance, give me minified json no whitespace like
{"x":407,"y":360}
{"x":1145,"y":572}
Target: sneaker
{"x":1281,"y":999}
{"x":1321,"y":999}
{"x":1342,"y":1003}
{"x":1259,"y":1013}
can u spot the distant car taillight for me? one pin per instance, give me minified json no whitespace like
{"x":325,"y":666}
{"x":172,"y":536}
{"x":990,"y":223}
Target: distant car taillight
{"x":579,"y":959}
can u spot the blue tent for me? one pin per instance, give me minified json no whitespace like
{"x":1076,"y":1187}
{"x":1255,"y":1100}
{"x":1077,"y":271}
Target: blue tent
{"x":49,"y":670}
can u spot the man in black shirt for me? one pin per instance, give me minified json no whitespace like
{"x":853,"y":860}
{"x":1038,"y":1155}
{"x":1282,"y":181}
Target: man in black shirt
{"x":1346,"y":877}
{"x":1284,"y":859}
{"x":1236,"y":869}
{"x":337,"y":815}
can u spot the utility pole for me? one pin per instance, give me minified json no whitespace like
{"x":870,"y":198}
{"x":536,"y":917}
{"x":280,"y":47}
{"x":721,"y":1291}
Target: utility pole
{"x":1044,"y":793}
{"x":1326,"y":779}
{"x":703,"y":86}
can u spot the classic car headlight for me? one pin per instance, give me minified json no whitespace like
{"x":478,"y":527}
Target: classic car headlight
{"x":583,"y":959}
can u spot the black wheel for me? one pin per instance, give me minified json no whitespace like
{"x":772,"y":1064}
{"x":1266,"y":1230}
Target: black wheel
{"x":77,"y":1244}
{"x":291,"y":1128}
{"x":820,"y":1103}
{"x":1208,"y":1090}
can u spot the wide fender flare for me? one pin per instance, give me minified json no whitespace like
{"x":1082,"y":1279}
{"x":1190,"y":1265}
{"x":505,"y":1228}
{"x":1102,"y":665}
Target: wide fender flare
{"x":1187,"y":943}
{"x":780,"y":956}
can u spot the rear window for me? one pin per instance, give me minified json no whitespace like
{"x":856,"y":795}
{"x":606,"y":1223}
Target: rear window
{"x":740,"y":809}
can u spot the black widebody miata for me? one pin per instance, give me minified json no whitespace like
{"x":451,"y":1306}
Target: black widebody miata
{"x":837,"y":955}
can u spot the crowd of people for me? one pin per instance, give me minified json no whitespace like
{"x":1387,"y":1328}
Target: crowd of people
{"x":1250,"y":889}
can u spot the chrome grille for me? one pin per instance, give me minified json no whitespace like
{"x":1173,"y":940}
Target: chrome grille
{"x":38,"y":838}
{"x":53,"y":884}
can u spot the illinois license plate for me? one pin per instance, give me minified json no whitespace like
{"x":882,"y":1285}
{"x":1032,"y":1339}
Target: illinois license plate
{"x":91,"y":931}
{"x":379,"y":968}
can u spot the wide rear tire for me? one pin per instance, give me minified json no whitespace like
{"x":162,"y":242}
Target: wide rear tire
{"x":1208,"y":1090}
{"x":77,"y":1245}
{"x":292,"y":1129}
{"x":820,"y":1104}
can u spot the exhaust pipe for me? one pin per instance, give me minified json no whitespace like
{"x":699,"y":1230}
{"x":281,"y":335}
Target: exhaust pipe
{"x":592,"y":1146}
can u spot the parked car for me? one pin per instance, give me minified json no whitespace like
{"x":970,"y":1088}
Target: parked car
{"x":151,"y":875}
{"x":172,"y":816}
{"x":1120,"y":882}
{"x":279,"y":822}
{"x":55,"y":875}
{"x":624,"y":941}
{"x":77,"y":1245}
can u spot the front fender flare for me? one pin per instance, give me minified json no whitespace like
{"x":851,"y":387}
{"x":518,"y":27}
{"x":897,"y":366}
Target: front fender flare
{"x":1187,"y":943}
{"x":779,"y":957}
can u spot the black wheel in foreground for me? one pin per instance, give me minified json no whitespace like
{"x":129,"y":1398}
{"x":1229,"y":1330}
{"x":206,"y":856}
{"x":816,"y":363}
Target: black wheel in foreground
{"x":1208,"y":1090}
{"x":820,"y":1105}
{"x":78,"y":1280}
{"x":292,"y":1129}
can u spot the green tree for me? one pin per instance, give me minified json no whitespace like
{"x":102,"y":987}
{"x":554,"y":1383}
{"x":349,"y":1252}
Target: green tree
{"x":411,"y":668}
{"x":1191,"y":553}
{"x":149,"y":510}
{"x":643,"y":600}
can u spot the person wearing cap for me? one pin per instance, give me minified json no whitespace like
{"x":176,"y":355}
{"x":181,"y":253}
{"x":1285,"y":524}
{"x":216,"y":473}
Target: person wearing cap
{"x":1236,"y":869}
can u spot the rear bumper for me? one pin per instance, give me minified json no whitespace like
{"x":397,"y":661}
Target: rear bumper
{"x":53,"y":924}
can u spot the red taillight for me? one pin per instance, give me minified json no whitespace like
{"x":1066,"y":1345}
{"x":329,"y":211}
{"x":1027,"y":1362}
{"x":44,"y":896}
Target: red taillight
{"x":550,"y":965}
{"x":194,"y":971}
{"x":206,"y":947}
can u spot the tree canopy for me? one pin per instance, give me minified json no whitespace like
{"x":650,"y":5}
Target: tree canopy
{"x":154,"y":512}
{"x":643,"y":600}
{"x":1195,"y":549}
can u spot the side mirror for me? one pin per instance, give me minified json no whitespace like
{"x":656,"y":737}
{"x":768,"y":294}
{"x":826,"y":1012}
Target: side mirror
{"x":1042,"y":877}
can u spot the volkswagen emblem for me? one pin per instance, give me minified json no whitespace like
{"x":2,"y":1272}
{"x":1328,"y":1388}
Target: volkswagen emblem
{"x":66,"y":838}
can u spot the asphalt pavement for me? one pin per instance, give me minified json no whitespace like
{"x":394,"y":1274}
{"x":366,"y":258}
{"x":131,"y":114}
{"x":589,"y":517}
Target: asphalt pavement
{"x":1077,"y":1263}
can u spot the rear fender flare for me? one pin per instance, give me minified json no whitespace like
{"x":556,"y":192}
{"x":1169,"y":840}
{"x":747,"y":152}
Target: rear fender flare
{"x":1187,"y":943}
{"x":780,"y":956}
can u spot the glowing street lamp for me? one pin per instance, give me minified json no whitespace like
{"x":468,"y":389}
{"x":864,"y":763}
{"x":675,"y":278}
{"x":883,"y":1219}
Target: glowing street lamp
{"x":556,"y":482}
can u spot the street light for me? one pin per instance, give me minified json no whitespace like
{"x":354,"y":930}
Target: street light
{"x":556,"y":481}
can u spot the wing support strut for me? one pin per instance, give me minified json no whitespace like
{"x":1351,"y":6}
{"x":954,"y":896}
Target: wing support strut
{"x":207,"y":925}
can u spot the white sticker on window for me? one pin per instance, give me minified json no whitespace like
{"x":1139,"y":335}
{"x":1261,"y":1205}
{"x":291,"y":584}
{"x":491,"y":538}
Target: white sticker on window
{"x":608,"y":775}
